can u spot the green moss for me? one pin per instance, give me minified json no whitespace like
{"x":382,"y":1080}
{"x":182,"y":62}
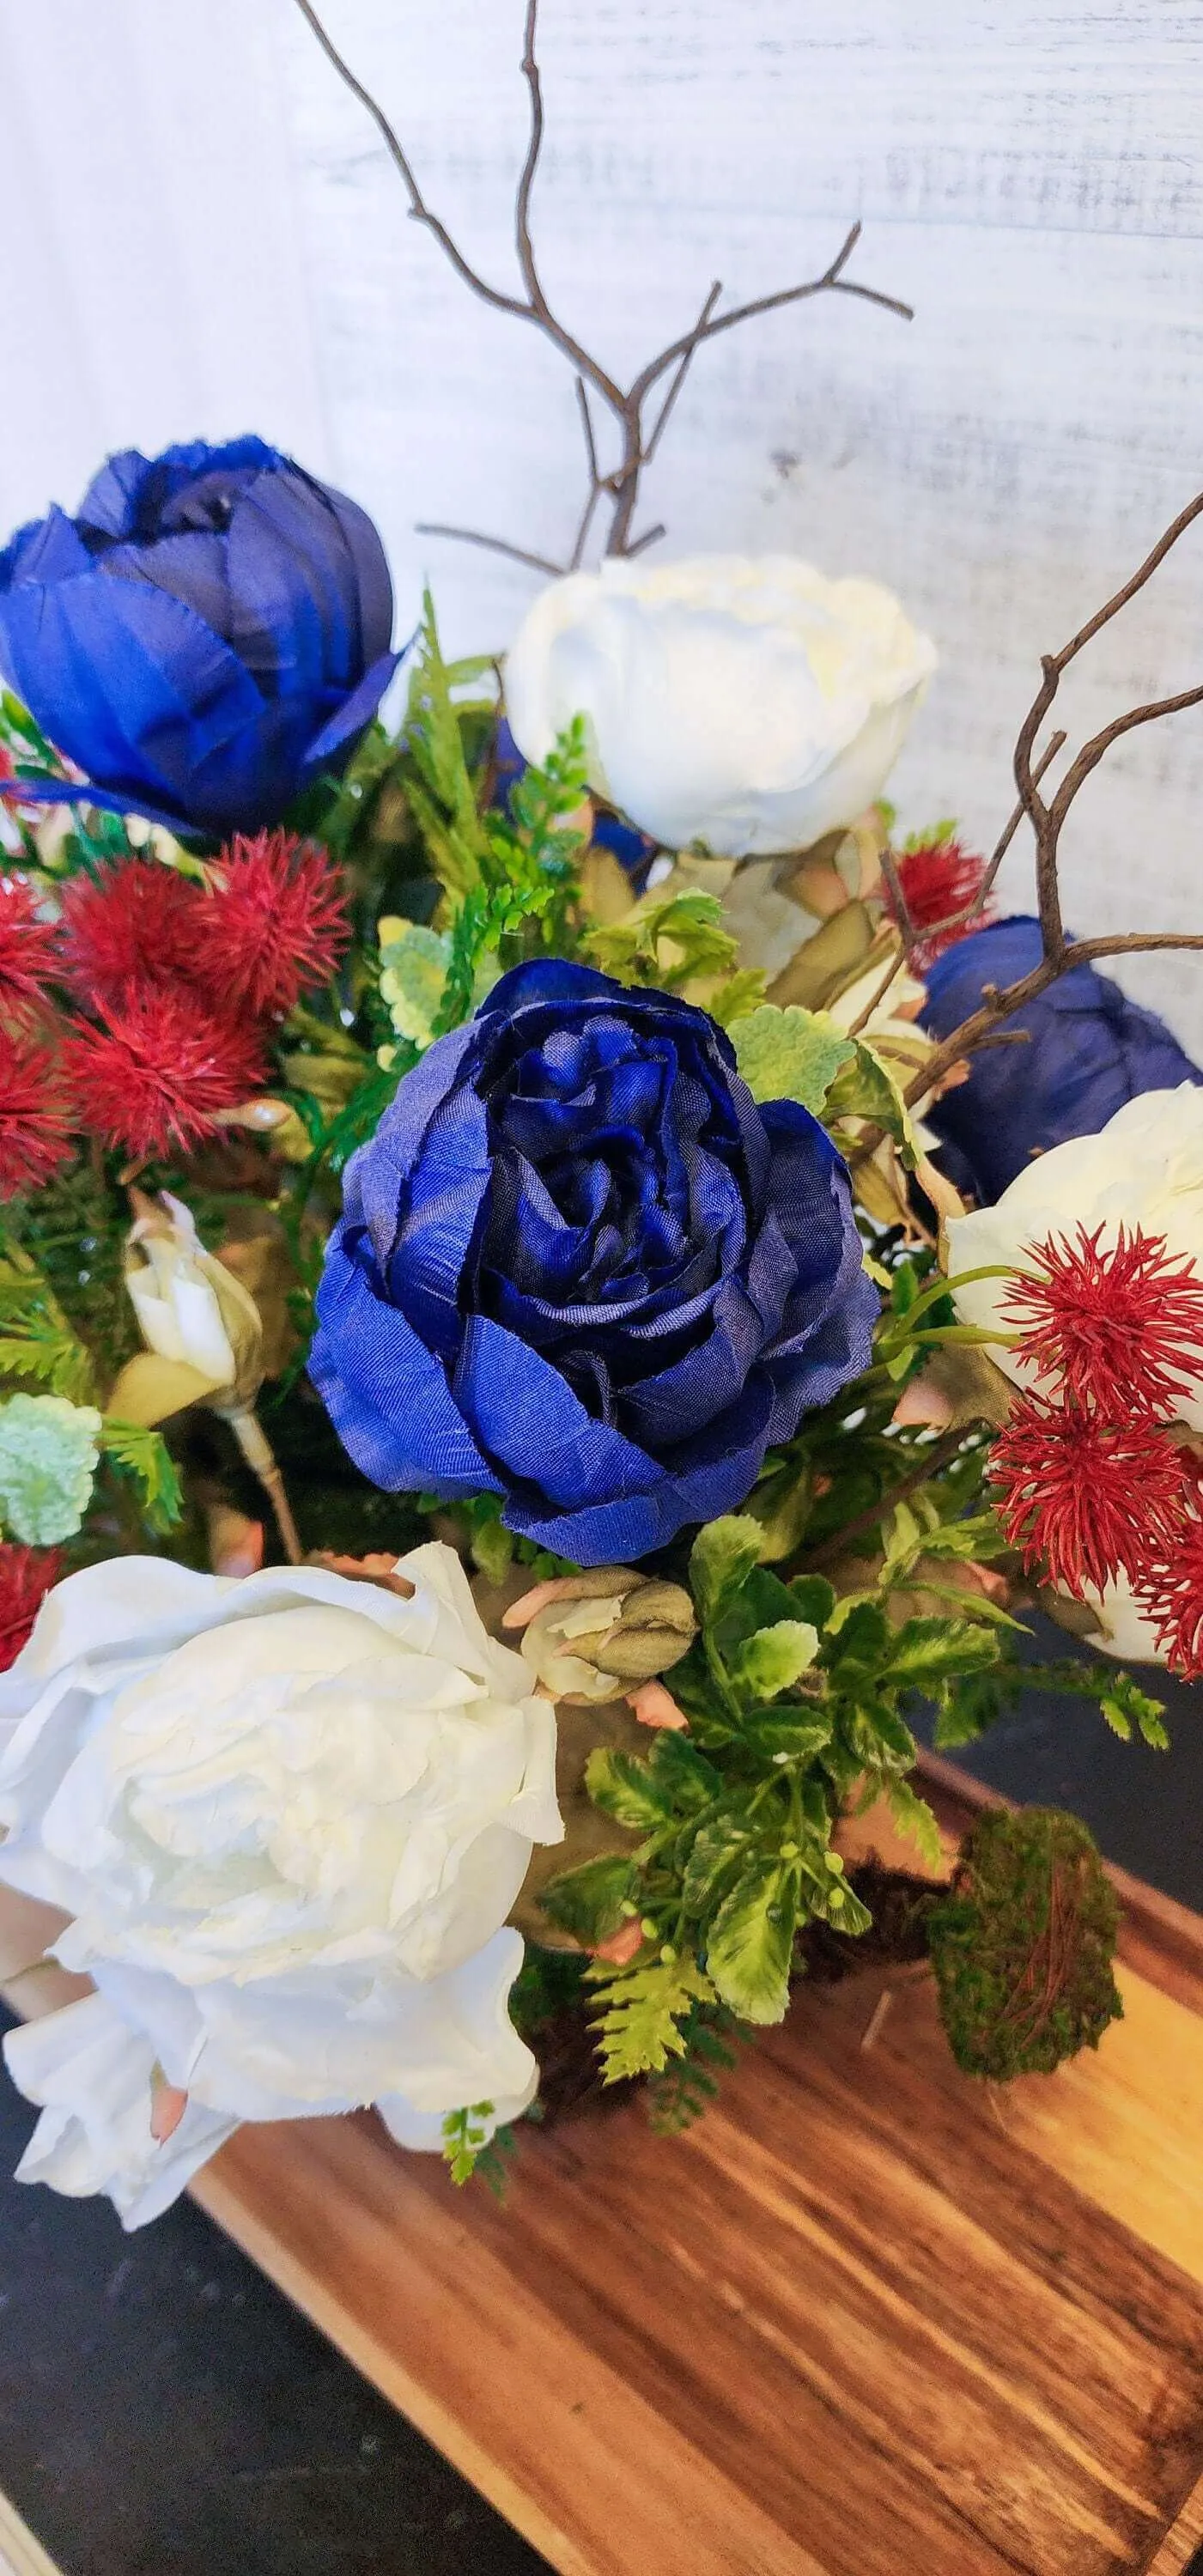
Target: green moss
{"x":1023,"y":1943}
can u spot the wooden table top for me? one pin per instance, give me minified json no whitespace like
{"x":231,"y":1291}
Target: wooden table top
{"x":867,"y":2318}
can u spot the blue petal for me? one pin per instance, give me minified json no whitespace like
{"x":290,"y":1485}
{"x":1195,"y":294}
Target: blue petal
{"x":388,"y":1399}
{"x":128,"y":496}
{"x":348,"y":720}
{"x":441,"y":1206}
{"x":1086,"y":1050}
{"x":292,"y":590}
{"x":377,"y":1176}
{"x":527,"y":1417}
{"x":373,"y":581}
{"x":130,"y":684}
{"x":548,"y":979}
{"x":49,"y":549}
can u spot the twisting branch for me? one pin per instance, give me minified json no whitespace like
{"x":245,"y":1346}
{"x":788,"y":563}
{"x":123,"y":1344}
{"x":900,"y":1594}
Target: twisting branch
{"x":418,"y":207}
{"x":492,"y":545}
{"x":577,"y":556}
{"x":979,"y":1029}
{"x":967,"y":912}
{"x":637,"y":444}
{"x":696,"y":337}
{"x":1048,"y":820}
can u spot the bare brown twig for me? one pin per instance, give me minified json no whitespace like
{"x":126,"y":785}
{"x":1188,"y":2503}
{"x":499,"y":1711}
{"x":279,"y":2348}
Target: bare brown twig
{"x":637,"y":444}
{"x":927,"y":1463}
{"x":491,"y":545}
{"x":1048,"y":820}
{"x":972,"y":911}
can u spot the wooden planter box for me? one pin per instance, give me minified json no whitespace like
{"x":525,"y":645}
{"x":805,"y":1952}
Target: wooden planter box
{"x":868,"y":2318}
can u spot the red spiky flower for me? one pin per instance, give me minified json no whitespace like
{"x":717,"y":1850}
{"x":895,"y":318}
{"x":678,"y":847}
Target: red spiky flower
{"x":26,"y":948}
{"x":155,"y":1074}
{"x":275,"y":923}
{"x":1171,"y":1592}
{"x":35,"y":1115}
{"x":1122,"y":1327}
{"x":1085,"y":1498}
{"x":130,"y":926}
{"x":27,"y":1574}
{"x":938,"y":879}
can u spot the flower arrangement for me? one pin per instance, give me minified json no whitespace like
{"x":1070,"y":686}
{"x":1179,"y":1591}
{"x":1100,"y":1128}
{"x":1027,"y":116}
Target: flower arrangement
{"x":559,"y":1284}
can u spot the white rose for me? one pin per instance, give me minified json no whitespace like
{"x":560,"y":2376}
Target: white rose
{"x":1123,"y":1629}
{"x":1144,"y":1168}
{"x":745,"y":702}
{"x":289,"y":1816}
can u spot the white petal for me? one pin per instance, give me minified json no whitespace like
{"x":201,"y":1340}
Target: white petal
{"x":93,"y":2077}
{"x":306,"y":2046}
{"x":1143,"y":1169}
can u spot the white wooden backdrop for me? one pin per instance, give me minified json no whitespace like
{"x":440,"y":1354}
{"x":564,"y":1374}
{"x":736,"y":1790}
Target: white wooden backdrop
{"x":202,"y":234}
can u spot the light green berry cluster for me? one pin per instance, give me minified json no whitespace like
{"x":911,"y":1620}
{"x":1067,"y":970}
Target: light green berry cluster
{"x":49,"y":1452}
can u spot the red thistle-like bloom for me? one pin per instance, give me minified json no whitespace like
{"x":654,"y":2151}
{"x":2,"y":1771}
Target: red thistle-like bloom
{"x":274,"y":925}
{"x":35,"y":1116}
{"x":1171,"y":1594}
{"x":937,"y":880}
{"x":1085,"y":1498}
{"x":163,"y":1064}
{"x":1122,"y":1328}
{"x":26,"y":947}
{"x":131,"y":926}
{"x":26,"y":1576}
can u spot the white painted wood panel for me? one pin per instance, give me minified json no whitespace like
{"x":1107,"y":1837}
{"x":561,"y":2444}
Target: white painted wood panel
{"x":152,"y":282}
{"x":1032,"y":179}
{"x":216,"y":231}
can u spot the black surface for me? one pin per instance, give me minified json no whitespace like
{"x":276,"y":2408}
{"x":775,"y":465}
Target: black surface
{"x":164,"y":2412}
{"x":1144,"y":1808}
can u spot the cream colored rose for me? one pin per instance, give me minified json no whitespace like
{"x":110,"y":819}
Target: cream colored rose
{"x":744,"y":702}
{"x":289,"y":1816}
{"x":1144,"y":1168}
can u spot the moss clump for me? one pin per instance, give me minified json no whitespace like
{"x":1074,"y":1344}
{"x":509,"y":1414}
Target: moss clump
{"x":1023,"y":1944}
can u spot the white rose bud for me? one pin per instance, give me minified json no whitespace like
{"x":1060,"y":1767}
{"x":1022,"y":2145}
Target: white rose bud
{"x":596,"y":1636}
{"x":191,"y":1310}
{"x":289,"y":1816}
{"x":744,"y":702}
{"x":204,"y":1339}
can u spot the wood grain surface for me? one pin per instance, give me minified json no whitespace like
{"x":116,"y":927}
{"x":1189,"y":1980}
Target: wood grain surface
{"x":866,"y":2319}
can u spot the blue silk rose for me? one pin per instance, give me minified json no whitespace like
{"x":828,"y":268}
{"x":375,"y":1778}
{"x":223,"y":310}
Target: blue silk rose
{"x":580,"y":1267}
{"x":207,"y":636}
{"x":1085,"y":1050}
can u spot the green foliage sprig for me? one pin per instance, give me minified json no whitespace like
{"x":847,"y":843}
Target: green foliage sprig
{"x":469,"y":2152}
{"x":665,"y":942}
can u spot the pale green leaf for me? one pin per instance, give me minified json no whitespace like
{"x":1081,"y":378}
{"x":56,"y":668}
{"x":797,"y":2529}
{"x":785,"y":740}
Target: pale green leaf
{"x":751,"y":1941}
{"x":772,"y":1660}
{"x":622,"y":1786}
{"x":721,"y":1559}
{"x":914,"y":1818}
{"x":791,"y":1054}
